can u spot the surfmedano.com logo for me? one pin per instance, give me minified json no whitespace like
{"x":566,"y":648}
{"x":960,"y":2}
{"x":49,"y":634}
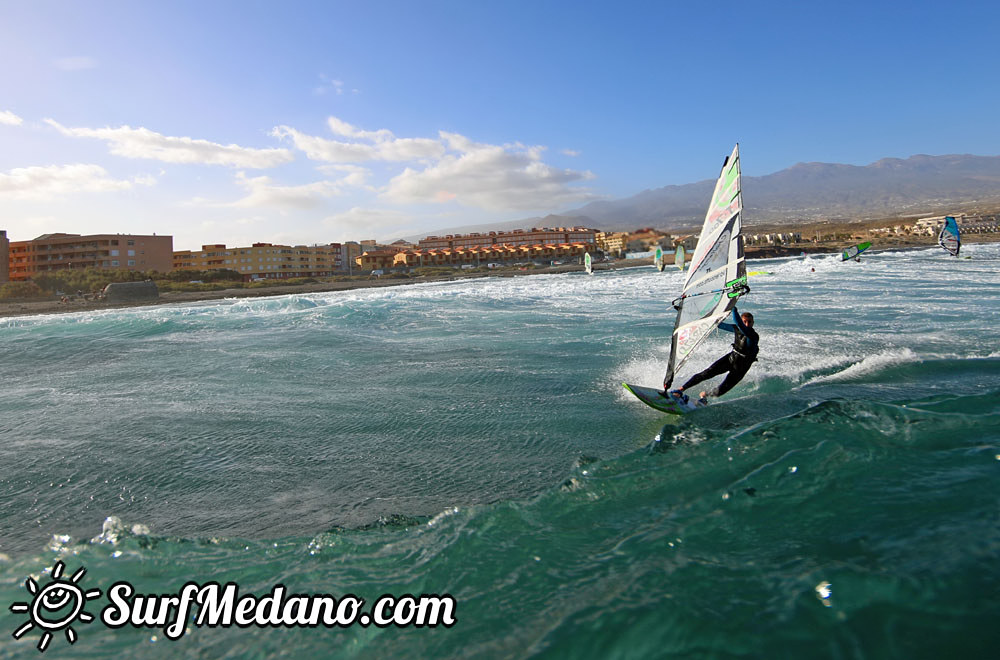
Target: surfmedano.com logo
{"x":56,"y":606}
{"x":60,"y":603}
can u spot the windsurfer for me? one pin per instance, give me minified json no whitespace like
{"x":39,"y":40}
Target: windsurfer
{"x":736,"y":363}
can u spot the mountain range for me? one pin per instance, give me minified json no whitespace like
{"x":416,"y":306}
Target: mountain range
{"x":807,"y":192}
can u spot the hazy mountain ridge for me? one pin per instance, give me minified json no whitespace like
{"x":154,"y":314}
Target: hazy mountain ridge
{"x":813,"y":191}
{"x":805,"y":192}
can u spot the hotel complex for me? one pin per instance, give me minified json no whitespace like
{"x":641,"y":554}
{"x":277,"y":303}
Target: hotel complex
{"x":486,"y":249}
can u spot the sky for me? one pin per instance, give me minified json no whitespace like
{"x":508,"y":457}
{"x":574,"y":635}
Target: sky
{"x":300,"y":122}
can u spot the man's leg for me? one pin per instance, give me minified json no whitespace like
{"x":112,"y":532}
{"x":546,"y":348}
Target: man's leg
{"x":739,"y":370}
{"x":718,"y":367}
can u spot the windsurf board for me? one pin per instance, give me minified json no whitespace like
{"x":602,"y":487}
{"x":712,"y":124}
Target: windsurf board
{"x":668,"y":403}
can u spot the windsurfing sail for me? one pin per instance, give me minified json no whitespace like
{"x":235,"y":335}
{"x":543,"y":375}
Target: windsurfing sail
{"x":853,"y":252}
{"x":588,"y":263}
{"x":679,"y":257}
{"x":658,"y":259}
{"x":717,"y":276}
{"x":949,"y":238}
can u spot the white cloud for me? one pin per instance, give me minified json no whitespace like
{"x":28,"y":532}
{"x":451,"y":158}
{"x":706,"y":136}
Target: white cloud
{"x":43,"y":182}
{"x":450,"y":167}
{"x":358,"y":223}
{"x":77,"y":63}
{"x":342,"y":128}
{"x":380,"y":145}
{"x":350,"y":176}
{"x":570,"y":152}
{"x":329,"y":85}
{"x":9,"y":118}
{"x":509,"y":177}
{"x":330,"y":151}
{"x":263,"y":192}
{"x":144,"y":143}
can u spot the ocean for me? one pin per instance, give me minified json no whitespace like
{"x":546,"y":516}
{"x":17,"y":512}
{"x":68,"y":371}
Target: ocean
{"x":472,"y":439}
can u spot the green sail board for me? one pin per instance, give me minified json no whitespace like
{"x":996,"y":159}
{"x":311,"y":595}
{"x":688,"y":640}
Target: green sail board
{"x":853,"y":252}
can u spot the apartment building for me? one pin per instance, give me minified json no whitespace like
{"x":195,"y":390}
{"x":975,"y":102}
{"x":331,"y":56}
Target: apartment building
{"x":53,"y":252}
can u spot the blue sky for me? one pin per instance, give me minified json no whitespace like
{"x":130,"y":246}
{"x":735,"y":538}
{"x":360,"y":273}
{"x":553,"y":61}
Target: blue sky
{"x":316,"y":122}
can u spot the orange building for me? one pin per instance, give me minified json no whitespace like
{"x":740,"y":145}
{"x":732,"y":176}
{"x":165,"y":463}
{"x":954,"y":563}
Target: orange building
{"x":534,"y":236}
{"x":483,"y":256}
{"x":376,"y":259}
{"x":53,"y":252}
{"x":4,"y":256}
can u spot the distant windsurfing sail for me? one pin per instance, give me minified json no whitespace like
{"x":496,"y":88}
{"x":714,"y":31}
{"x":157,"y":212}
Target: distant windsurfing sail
{"x":658,"y":259}
{"x":949,"y":238}
{"x":853,"y":252}
{"x":717,"y":276}
{"x":588,"y":263}
{"x":679,"y":257}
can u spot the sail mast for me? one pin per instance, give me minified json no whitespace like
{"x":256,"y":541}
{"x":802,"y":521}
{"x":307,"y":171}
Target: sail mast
{"x":717,"y":274}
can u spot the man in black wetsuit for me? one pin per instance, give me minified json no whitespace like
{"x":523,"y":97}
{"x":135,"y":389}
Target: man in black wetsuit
{"x":737,"y":362}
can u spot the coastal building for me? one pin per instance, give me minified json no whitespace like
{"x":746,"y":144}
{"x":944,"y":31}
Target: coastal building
{"x":611,"y":242}
{"x":489,"y":256}
{"x":350,"y":251}
{"x":376,"y":259}
{"x":53,"y":252}
{"x":4,"y":257}
{"x":266,"y":260}
{"x":647,"y":239}
{"x":971,"y":224}
{"x":783,"y":238}
{"x":690,"y":242}
{"x":534,"y":236}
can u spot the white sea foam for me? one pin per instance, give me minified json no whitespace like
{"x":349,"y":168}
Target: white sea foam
{"x":868,"y":365}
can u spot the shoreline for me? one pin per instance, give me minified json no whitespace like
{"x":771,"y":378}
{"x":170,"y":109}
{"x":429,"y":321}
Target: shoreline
{"x":15,"y":308}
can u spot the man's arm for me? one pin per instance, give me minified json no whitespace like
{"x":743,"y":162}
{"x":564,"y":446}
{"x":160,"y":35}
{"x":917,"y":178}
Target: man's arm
{"x":737,"y":324}
{"x":744,"y":330}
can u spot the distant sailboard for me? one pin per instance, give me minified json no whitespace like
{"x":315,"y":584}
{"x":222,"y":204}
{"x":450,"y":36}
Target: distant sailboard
{"x":853,"y":252}
{"x":679,"y":257}
{"x":658,"y":259}
{"x":949,"y":237}
{"x":588,"y":263}
{"x":715,"y":280}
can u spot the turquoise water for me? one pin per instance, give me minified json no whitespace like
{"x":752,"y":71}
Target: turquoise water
{"x":472,"y":438}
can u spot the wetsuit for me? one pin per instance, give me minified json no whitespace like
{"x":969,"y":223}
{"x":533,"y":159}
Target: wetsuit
{"x":736,"y":363}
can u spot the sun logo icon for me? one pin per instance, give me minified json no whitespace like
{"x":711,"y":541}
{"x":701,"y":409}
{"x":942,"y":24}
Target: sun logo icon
{"x":55,"y":606}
